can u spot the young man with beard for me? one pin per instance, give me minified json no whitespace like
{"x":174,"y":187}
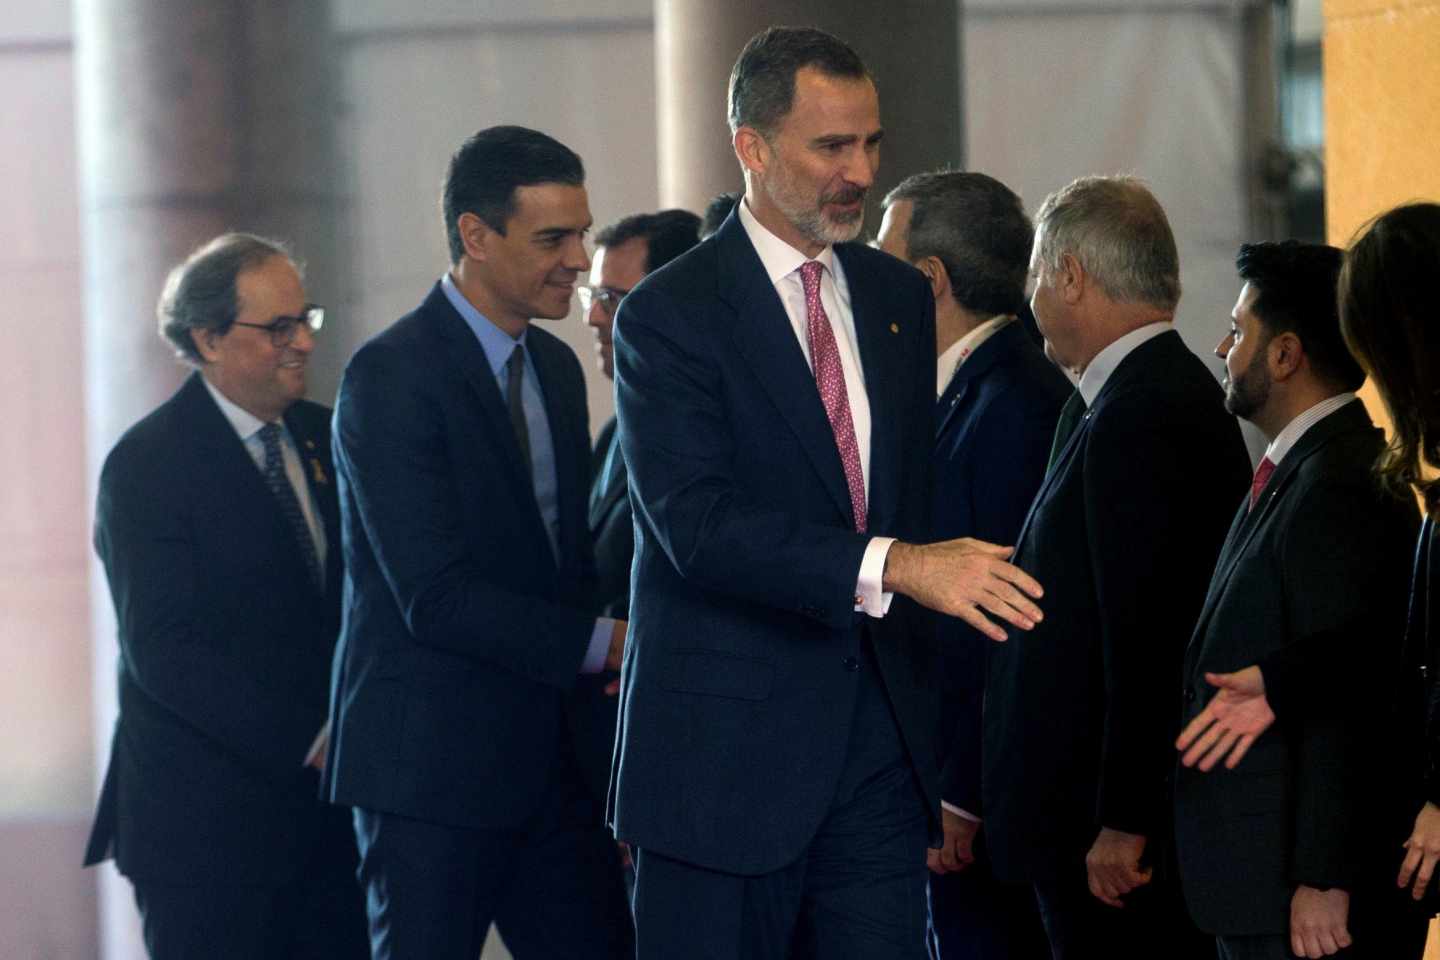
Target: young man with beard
{"x":776,"y":760}
{"x":1286,"y":856}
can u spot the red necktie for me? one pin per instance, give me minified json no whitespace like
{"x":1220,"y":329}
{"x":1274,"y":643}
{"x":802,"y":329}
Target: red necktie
{"x":1262,"y":477}
{"x":830,"y":378}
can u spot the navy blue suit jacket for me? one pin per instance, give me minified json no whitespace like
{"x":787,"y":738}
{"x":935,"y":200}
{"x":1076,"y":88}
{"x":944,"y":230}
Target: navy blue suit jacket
{"x":736,"y":698}
{"x":463,"y":633}
{"x":225,"y":649}
{"x":993,"y":428}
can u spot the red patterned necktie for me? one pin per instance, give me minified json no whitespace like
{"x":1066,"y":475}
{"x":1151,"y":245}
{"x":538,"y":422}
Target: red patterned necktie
{"x":1262,"y":477}
{"x":830,"y":379}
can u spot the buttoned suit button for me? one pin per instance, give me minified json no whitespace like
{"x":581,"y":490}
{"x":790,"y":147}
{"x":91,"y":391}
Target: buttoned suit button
{"x":851,"y":664}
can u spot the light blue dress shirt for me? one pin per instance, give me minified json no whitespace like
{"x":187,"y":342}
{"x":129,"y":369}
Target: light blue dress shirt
{"x":498,"y":346}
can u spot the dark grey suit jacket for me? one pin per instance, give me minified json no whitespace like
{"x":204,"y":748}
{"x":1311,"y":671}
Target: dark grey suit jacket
{"x":1322,"y":558}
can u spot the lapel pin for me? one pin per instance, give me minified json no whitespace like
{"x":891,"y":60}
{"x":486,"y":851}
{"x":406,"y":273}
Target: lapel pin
{"x":318,"y":471}
{"x":894,"y":328}
{"x":309,"y":444}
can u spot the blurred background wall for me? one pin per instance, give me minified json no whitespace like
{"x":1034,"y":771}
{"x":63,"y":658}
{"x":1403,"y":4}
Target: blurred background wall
{"x":133,"y":129}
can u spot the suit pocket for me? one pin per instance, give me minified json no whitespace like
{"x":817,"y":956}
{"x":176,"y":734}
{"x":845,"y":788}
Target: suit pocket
{"x":717,"y":674}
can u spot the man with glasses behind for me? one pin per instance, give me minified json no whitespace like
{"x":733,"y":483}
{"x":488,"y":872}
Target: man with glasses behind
{"x":625,"y":252}
{"x":217,"y":523}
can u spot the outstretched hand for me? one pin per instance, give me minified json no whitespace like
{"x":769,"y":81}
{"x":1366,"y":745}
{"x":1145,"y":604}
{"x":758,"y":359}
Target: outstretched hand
{"x":1422,"y":850}
{"x":1230,"y":722}
{"x":965,"y":578}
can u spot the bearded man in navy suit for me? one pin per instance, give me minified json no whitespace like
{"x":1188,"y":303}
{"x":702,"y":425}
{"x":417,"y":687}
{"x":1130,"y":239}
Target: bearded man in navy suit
{"x":776,"y":759}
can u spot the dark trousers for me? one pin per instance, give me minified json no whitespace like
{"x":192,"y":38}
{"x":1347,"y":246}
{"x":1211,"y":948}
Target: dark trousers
{"x":552,"y":885}
{"x":317,"y":915}
{"x":858,"y":891}
{"x":1153,"y":922}
{"x":974,"y":916}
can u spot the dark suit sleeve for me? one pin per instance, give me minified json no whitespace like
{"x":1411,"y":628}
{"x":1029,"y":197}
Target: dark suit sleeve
{"x":393,"y":459}
{"x":1014,"y":441}
{"x":1351,"y":611}
{"x":205,"y":676}
{"x":1147,"y":480}
{"x":679,"y":447}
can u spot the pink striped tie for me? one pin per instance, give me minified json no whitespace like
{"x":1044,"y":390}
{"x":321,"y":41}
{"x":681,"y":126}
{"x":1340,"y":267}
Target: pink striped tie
{"x":830,"y":378}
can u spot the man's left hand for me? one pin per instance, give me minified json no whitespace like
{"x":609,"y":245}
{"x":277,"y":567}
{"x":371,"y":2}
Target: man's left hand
{"x":957,"y":850}
{"x":1114,"y":865}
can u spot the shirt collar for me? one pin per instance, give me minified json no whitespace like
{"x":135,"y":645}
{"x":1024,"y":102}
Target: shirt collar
{"x":1297,"y":428}
{"x":497,"y":344}
{"x":960,"y":351}
{"x":1109,"y":359}
{"x":777,"y":257}
{"x":246,"y":424}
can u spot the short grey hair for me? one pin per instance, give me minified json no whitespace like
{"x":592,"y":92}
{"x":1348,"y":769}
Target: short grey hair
{"x":200,"y":294}
{"x":1119,"y":232}
{"x":762,"y":82}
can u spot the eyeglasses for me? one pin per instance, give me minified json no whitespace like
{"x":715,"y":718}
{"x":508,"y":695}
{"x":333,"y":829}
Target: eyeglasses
{"x":282,"y":330}
{"x":608,"y":297}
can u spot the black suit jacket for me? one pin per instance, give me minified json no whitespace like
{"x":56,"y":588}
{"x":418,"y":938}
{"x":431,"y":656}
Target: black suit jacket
{"x":993,"y":428}
{"x":225,"y":649}
{"x":1323,"y":554}
{"x":1079,"y":712}
{"x":463,"y":632}
{"x":739,"y":683}
{"x":612,"y":524}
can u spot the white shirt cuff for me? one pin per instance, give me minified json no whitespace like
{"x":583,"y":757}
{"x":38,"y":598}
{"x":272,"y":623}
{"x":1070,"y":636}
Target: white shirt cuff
{"x":599,"y":648}
{"x":962,"y":814}
{"x":869,"y":597}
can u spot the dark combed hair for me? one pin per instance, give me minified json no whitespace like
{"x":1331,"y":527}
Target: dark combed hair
{"x":762,"y":82}
{"x":667,"y":234}
{"x":199,"y":293}
{"x":716,"y":211}
{"x":487,"y":169}
{"x":1390,"y":315}
{"x":1295,"y":293}
{"x":977,"y":227}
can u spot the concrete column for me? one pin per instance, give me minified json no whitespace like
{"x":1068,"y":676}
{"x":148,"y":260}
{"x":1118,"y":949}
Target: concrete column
{"x":194,"y":117}
{"x":912,"y":50}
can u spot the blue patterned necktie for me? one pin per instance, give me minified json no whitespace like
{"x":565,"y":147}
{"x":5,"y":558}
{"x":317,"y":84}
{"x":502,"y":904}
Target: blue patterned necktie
{"x":279,"y":484}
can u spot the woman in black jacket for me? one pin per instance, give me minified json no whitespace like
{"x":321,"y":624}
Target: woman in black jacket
{"x":1390,"y":313}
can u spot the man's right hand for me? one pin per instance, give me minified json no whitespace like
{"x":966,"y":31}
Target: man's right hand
{"x":1230,"y":722}
{"x":965,"y":578}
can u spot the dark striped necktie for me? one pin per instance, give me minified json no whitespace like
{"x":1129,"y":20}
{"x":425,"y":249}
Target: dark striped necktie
{"x":279,"y":484}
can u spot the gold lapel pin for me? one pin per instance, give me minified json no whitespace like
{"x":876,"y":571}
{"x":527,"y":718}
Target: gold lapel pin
{"x":318,"y":471}
{"x":894,"y":328}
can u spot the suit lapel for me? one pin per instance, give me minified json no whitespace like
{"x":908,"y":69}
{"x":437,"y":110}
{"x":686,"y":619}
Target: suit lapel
{"x":1249,"y":522}
{"x":235,"y":480}
{"x":766,"y":341}
{"x":463,"y":349}
{"x":1000,"y":345}
{"x":878,"y":359}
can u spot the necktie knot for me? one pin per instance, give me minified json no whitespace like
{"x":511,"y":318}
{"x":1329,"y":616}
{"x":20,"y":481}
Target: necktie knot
{"x":810,"y":272}
{"x":1262,"y":477}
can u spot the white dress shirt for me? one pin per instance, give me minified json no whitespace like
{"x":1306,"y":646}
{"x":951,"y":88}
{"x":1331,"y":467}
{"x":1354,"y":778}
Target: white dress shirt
{"x":782,"y":264}
{"x":247,"y":427}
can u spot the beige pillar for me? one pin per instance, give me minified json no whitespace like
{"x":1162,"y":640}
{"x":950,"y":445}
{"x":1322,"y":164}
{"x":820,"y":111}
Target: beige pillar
{"x":912,"y":49}
{"x":194,"y":117}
